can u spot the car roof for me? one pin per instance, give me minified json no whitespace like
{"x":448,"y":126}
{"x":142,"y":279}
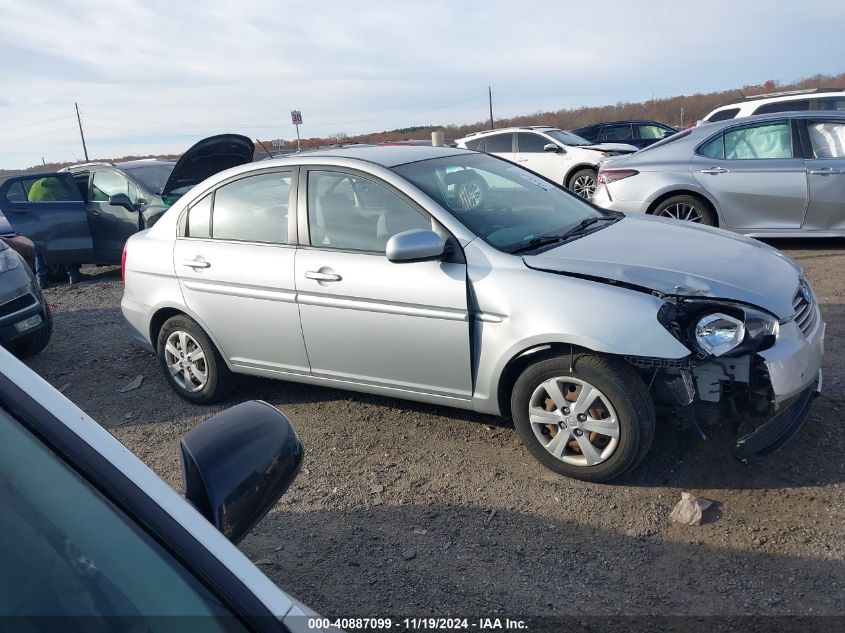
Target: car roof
{"x":384,"y":155}
{"x":141,"y":162}
{"x":788,"y":95}
{"x":621,"y":122}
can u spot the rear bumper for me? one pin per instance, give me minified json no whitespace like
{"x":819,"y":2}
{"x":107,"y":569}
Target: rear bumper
{"x":137,"y":319}
{"x":602,"y":198}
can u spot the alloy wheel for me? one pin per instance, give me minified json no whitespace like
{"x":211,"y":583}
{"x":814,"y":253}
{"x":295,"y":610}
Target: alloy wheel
{"x":470,"y":195}
{"x":682,"y":211}
{"x":584,"y":186}
{"x":186,"y":361}
{"x":574,"y":421}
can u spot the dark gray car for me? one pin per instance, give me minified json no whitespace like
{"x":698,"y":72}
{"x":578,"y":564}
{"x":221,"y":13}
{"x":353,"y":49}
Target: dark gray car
{"x":25,"y":319}
{"x":85,"y":213}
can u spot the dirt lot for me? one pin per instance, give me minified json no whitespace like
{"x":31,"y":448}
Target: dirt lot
{"x":408,"y":509}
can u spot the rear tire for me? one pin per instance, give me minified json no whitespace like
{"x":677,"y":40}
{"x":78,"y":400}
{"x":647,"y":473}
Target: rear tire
{"x":687,"y":208}
{"x":191,"y":363}
{"x":618,"y":416}
{"x":37,"y":341}
{"x":583,"y":183}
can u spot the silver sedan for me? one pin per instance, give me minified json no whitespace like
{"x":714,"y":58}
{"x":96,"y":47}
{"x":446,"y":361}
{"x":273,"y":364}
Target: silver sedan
{"x":777,"y":175}
{"x":457,"y":278}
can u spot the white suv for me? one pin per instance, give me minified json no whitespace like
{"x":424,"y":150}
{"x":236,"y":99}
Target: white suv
{"x":792,"y":101}
{"x":560,"y":156}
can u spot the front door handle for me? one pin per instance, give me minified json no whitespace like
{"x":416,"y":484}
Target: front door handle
{"x":316,"y":275}
{"x":196,"y":263}
{"x":715,"y":170}
{"x":824,"y":171}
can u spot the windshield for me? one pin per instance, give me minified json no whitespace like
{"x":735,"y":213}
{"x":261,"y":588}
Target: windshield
{"x":567,"y":138}
{"x":502,"y":203}
{"x":152,"y":177}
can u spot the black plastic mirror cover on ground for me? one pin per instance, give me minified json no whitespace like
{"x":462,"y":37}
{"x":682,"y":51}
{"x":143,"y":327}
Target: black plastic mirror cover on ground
{"x":237,"y":464}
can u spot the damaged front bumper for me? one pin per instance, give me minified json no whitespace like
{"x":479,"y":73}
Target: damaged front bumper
{"x":767,"y":393}
{"x":773,"y":434}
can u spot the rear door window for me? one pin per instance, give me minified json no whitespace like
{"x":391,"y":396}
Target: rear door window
{"x":770,"y":140}
{"x":499,"y":143}
{"x":253,"y":209}
{"x":476,"y":144}
{"x":199,"y":218}
{"x":714,"y":148}
{"x":617,"y":133}
{"x":832,"y":103}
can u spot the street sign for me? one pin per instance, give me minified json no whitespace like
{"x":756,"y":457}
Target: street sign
{"x":296,"y":117}
{"x":278,"y":143}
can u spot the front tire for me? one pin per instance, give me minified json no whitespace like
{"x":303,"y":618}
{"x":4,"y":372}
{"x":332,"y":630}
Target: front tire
{"x":583,"y":183}
{"x":592,"y":423}
{"x":191,"y":363}
{"x":687,"y":208}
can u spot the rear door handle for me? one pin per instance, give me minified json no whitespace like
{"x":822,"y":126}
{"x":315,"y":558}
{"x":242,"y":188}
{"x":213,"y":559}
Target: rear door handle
{"x":715,"y":170}
{"x":318,"y":276}
{"x":196,"y":263}
{"x":824,"y":171}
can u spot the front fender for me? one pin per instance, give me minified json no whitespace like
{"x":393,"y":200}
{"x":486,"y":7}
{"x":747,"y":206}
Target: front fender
{"x":520,"y":308}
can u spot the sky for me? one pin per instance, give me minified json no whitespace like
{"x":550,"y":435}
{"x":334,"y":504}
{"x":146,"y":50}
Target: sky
{"x":153,"y":77}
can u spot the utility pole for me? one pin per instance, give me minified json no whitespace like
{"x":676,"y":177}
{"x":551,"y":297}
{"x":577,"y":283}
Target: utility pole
{"x":682,"y":117}
{"x":78,"y":120}
{"x":490,"y":101}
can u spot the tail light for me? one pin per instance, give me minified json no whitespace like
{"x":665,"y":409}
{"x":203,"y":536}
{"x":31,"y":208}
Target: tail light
{"x":123,"y":265}
{"x":607,"y":176}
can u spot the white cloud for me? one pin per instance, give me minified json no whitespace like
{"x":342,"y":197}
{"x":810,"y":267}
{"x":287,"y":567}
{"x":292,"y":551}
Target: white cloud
{"x":151,"y":76}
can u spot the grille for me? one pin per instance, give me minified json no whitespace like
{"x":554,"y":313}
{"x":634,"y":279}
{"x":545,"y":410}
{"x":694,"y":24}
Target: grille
{"x":16,"y":304}
{"x":649,"y":362}
{"x":804,"y":305}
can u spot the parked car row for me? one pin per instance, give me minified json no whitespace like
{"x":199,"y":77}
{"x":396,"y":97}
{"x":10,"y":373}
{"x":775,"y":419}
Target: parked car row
{"x":459,"y":278}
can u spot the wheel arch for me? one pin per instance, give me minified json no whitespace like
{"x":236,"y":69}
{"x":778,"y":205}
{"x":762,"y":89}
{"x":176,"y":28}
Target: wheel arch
{"x":162,"y":313}
{"x":575,"y":169}
{"x":520,"y":361}
{"x":687,"y":192}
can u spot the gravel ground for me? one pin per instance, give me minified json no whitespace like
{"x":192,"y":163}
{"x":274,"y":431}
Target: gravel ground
{"x":405,"y":509}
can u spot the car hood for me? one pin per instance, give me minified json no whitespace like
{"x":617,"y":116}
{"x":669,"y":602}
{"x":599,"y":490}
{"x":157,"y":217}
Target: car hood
{"x":612,"y":147}
{"x":206,"y":158}
{"x":679,"y":258}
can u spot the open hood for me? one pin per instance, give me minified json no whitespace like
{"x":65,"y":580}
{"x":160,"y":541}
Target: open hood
{"x":208,"y":157}
{"x":680,"y":258}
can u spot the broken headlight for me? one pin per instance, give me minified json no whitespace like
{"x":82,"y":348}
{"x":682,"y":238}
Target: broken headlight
{"x":712,"y":328}
{"x":718,"y":333}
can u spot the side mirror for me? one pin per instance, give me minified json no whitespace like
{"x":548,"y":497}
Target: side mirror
{"x":551,"y":147}
{"x":416,"y":245}
{"x":121,"y":200}
{"x":237,"y":464}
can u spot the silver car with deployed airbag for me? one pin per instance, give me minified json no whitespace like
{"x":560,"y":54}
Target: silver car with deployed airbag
{"x":374,"y":269}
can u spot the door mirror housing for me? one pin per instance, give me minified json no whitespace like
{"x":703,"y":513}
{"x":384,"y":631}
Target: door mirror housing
{"x":416,"y":245}
{"x":551,"y":147}
{"x":237,"y":464}
{"x":122,"y":200}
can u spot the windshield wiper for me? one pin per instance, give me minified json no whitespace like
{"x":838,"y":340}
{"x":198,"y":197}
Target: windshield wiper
{"x":545,"y":240}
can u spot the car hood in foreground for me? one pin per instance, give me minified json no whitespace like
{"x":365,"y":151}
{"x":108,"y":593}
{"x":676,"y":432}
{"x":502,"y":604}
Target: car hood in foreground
{"x":679,"y":258}
{"x":208,"y":157}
